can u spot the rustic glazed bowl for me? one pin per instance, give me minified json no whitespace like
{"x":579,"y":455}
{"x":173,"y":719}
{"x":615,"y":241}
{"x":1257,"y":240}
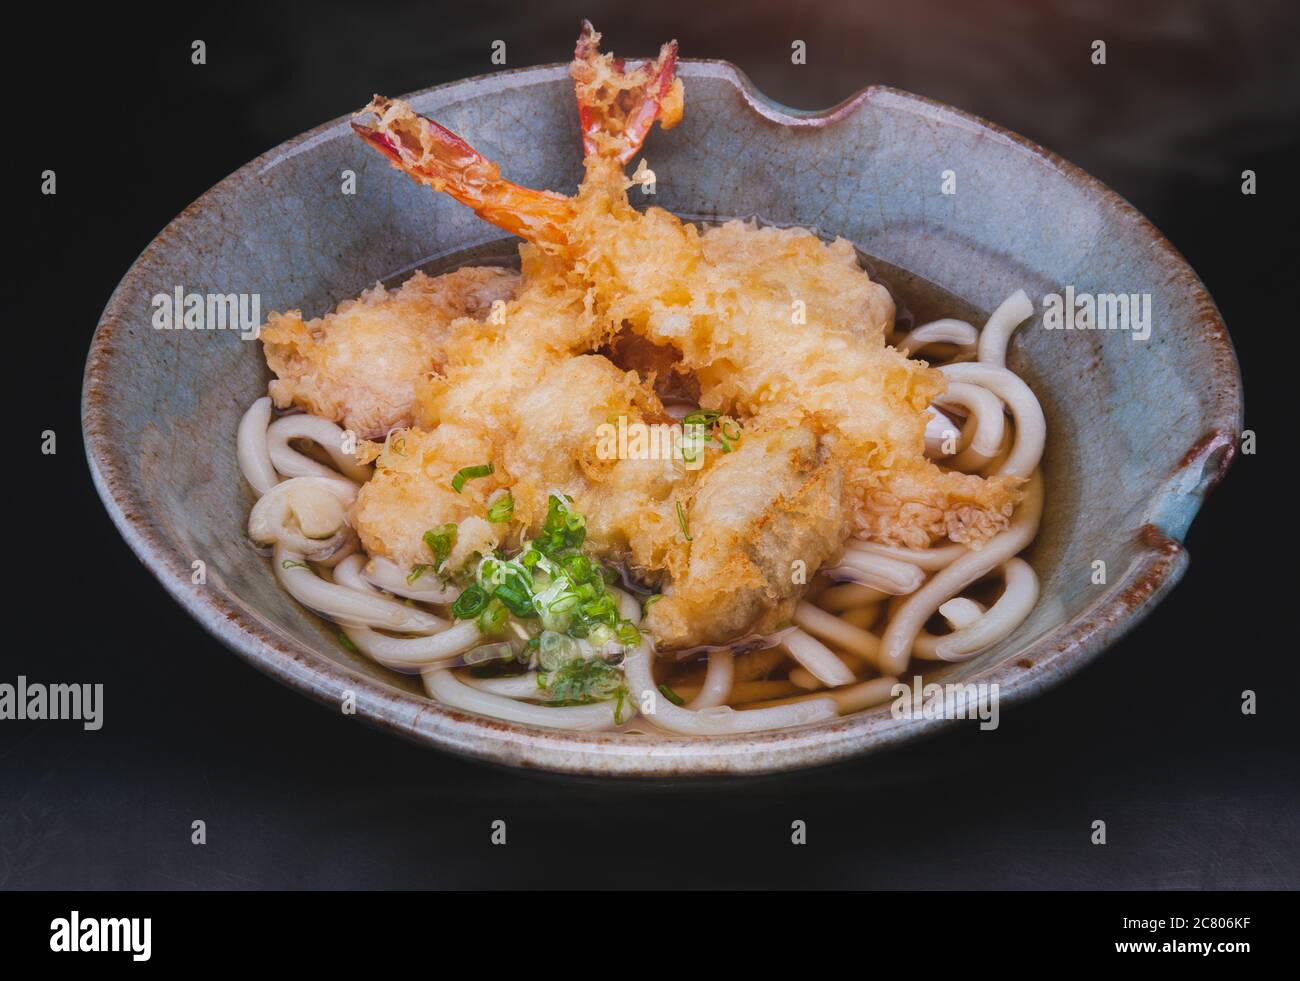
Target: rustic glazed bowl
{"x":1138,"y":430}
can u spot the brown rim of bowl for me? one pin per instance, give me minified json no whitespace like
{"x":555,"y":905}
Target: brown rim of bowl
{"x":1047,"y":661}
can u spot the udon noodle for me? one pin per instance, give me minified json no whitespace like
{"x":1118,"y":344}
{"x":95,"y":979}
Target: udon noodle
{"x":861,"y":624}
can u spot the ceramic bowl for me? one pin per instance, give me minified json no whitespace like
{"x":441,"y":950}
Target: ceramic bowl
{"x":1138,"y":429}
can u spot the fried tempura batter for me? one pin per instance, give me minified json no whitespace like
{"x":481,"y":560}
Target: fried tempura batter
{"x":774,"y":327}
{"x":358,"y":365}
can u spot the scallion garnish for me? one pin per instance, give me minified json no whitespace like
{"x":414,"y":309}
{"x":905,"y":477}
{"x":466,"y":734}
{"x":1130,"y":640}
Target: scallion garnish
{"x":553,"y":584}
{"x":681,"y":520}
{"x":470,"y":603}
{"x":726,"y":438}
{"x":493,"y":617}
{"x":502,"y":509}
{"x":671,"y":695}
{"x":441,"y":541}
{"x":416,"y":572}
{"x":470,"y":473}
{"x":702,"y":417}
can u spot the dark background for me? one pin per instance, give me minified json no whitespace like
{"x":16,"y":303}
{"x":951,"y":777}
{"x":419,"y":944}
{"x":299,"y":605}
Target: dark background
{"x":1150,"y":739}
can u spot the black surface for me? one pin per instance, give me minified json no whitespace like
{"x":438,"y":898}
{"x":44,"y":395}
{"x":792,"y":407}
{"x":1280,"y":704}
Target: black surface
{"x":1150,"y":739}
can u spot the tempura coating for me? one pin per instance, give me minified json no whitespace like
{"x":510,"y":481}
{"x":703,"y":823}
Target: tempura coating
{"x":785,"y":329}
{"x":358,"y":366}
{"x":760,"y":519}
{"x":775,"y":327}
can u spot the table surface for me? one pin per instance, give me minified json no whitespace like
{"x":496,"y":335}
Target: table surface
{"x":1151,"y":738}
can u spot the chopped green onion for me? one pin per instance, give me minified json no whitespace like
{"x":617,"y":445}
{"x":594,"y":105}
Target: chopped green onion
{"x":470,"y":473}
{"x":502,"y":509}
{"x":671,"y":695}
{"x":582,"y":681}
{"x":493,"y":617}
{"x":727,"y":437}
{"x":564,"y":528}
{"x":416,"y":572}
{"x":517,"y":600}
{"x":681,"y":520}
{"x":564,"y":604}
{"x":346,"y":643}
{"x":441,"y":541}
{"x":470,"y":603}
{"x":578,"y":567}
{"x":291,"y":564}
{"x":702,"y":417}
{"x":651,"y":600}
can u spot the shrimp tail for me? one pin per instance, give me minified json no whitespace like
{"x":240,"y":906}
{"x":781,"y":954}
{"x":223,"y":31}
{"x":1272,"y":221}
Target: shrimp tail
{"x":435,"y":156}
{"x":617,"y":105}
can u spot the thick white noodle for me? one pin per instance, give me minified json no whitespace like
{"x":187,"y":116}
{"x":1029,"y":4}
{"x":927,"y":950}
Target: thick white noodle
{"x":801,"y":677}
{"x":718,"y":679}
{"x":1001,"y":619}
{"x":628,"y":606}
{"x":349,"y":548}
{"x":863,"y":617}
{"x":1031,"y":427}
{"x":848,"y":595}
{"x":940,"y":428}
{"x":878,"y":571}
{"x":443,"y":685}
{"x":405,"y":653}
{"x":717,"y":721}
{"x":830,"y":628}
{"x":851,"y":698}
{"x":945,"y":331}
{"x":348,"y":607}
{"x":907,"y":621}
{"x":925,"y":559}
{"x":324,"y":434}
{"x":388,"y":576}
{"x":959,"y":612}
{"x":985,"y":409}
{"x":515,"y":686}
{"x":820,"y":661}
{"x":269,"y":522}
{"x":855,"y":698}
{"x":996,"y":335}
{"x":250,"y":447}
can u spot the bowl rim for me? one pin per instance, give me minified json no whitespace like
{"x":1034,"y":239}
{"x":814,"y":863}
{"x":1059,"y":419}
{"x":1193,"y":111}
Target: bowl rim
{"x":1048,"y":660}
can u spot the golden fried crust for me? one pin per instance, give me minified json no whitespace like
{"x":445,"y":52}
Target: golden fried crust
{"x":411,"y":491}
{"x":775,"y":327}
{"x":359,"y":365}
{"x":782,"y":329}
{"x":539,"y":425}
{"x":762,"y":519}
